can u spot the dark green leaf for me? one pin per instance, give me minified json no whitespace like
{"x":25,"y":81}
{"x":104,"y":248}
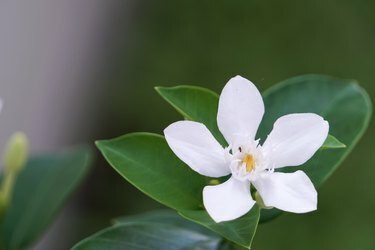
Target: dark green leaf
{"x":147,"y":162}
{"x":240,"y":231}
{"x":169,"y":217}
{"x":40,"y":190}
{"x":200,"y":104}
{"x":342,"y":102}
{"x":196,"y":104}
{"x":148,"y":236}
{"x":163,"y":229}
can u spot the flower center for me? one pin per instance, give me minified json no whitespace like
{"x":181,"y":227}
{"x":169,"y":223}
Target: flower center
{"x":246,"y":159}
{"x":249,"y":162}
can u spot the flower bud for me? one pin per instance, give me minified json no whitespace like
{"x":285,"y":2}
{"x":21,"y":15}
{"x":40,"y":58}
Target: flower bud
{"x":16,"y":153}
{"x":214,"y":182}
{"x":15,"y":158}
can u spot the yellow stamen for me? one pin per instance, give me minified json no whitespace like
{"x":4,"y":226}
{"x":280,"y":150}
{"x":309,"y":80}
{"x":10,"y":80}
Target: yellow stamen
{"x":249,"y":161}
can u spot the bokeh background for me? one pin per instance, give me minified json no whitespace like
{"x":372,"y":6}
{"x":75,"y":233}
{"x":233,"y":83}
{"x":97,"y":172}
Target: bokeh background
{"x":79,"y":70}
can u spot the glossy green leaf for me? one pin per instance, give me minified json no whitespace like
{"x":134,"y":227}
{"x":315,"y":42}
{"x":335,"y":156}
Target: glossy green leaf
{"x":147,"y":162}
{"x":334,"y":99}
{"x":240,"y":231}
{"x":342,"y":102}
{"x":147,"y":236}
{"x":40,"y":190}
{"x":163,"y":229}
{"x":200,"y":105}
{"x":332,"y":142}
{"x":169,"y":217}
{"x":196,"y":104}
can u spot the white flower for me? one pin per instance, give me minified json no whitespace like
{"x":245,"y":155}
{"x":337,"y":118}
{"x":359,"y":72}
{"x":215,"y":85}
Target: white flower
{"x":294,"y":140}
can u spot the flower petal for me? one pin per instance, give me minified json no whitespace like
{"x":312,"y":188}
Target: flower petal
{"x":228,"y":201}
{"x":295,"y":138}
{"x":193,"y":143}
{"x":241,"y":109}
{"x":292,"y":192}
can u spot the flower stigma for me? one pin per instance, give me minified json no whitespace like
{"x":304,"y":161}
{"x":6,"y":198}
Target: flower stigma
{"x":246,"y":159}
{"x":249,"y":162}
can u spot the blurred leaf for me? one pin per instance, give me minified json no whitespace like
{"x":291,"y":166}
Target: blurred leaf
{"x":343,"y":103}
{"x":196,"y":104}
{"x":147,"y":162}
{"x":240,"y":231}
{"x":163,"y":229}
{"x":40,"y":190}
{"x":169,"y":217}
{"x":332,"y":142}
{"x":147,"y":236}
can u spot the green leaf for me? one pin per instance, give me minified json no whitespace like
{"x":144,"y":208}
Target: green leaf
{"x":147,"y":162}
{"x":200,"y":105}
{"x":147,"y":236}
{"x":169,"y":217}
{"x":332,"y":142}
{"x":40,"y":190}
{"x":343,"y":103}
{"x":240,"y":231}
{"x":196,"y":104}
{"x":171,"y":230}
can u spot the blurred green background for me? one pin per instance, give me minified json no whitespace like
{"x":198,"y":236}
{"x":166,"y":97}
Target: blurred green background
{"x":205,"y":43}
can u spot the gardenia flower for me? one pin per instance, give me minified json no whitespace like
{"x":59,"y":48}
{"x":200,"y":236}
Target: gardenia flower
{"x":294,"y":139}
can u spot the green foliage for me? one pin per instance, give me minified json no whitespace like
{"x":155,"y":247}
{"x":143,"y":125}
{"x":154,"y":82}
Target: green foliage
{"x":343,"y":103}
{"x":155,"y":230}
{"x":146,"y":161}
{"x":332,"y":142}
{"x":241,"y":231}
{"x":334,"y":99}
{"x":162,"y":217}
{"x":147,"y":236}
{"x":40,"y":190}
{"x":200,"y":105}
{"x":195,"y":104}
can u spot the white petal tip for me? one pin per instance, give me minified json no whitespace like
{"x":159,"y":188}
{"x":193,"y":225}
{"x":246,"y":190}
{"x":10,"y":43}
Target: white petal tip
{"x":295,"y":138}
{"x":194,"y":144}
{"x":290,"y":192}
{"x":304,"y":210}
{"x":227,"y":201}
{"x":238,"y":77}
{"x":240,"y":110}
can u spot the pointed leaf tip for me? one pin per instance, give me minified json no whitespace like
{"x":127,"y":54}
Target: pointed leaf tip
{"x":332,"y":143}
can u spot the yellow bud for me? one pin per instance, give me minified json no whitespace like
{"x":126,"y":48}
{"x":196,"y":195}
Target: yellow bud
{"x":214,"y":182}
{"x":16,"y":153}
